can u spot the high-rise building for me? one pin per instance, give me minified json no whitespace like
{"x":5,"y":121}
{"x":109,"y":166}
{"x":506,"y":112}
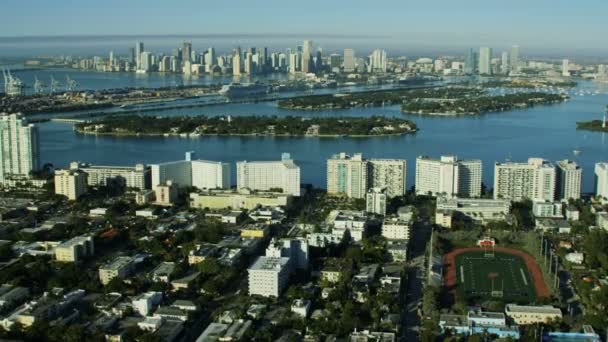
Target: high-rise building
{"x":139,"y":49}
{"x":137,"y":177}
{"x":347,"y":175}
{"x":448,"y":176}
{"x":335,"y":61}
{"x":248,"y":63}
{"x":145,"y":63}
{"x":203,"y":174}
{"x":70,"y":183}
{"x":18,"y":147}
{"x":268,"y":276}
{"x":307,"y":65}
{"x":389,"y":174}
{"x":375,"y":201}
{"x":569,"y":178}
{"x":378,"y":61}
{"x":470,"y":62}
{"x":601,"y":180}
{"x":349,"y":60}
{"x":187,"y":52}
{"x":514,"y":58}
{"x":236,"y":62}
{"x":504,"y":63}
{"x":294,"y":62}
{"x":211,"y":57}
{"x":485,"y":61}
{"x":269,"y":175}
{"x":565,"y":68}
{"x":533,"y":180}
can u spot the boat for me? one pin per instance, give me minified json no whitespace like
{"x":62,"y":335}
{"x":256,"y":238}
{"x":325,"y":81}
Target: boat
{"x":411,"y":78}
{"x":576,"y":151}
{"x":243,"y":90}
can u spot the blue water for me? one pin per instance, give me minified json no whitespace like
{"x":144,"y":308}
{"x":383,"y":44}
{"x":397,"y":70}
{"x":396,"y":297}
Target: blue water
{"x":546,"y":131}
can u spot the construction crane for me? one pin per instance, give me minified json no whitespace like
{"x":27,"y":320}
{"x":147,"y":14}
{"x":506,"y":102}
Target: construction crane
{"x":54,"y":85}
{"x":38,"y":86}
{"x":70,"y":84}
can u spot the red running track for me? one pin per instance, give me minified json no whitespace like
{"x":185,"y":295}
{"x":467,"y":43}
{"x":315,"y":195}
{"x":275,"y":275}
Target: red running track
{"x":450,"y":278}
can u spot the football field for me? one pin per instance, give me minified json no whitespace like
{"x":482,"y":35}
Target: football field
{"x":502,"y":276}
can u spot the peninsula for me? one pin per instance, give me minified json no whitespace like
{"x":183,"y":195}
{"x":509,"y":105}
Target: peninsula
{"x":193,"y":126}
{"x":479,"y":105}
{"x":594,"y":125}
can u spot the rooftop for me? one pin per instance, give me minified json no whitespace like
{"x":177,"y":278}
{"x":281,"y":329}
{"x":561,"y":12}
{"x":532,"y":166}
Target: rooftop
{"x":268,"y":263}
{"x":546,"y":309}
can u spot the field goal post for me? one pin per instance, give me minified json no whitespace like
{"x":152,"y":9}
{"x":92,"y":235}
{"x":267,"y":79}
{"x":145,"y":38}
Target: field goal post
{"x":488,"y":244}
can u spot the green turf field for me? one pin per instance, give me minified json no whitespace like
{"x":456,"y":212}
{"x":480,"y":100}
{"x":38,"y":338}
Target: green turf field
{"x":475,"y":271}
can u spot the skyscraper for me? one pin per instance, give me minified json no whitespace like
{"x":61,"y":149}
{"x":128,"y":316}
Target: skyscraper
{"x":504,"y":63}
{"x":470,"y":63}
{"x":377,"y":61}
{"x":187,"y":52}
{"x":569,"y":178}
{"x":448,"y":176}
{"x":139,"y":49}
{"x":533,"y":180}
{"x":307,"y":65}
{"x":236,"y":62}
{"x":565,"y":68}
{"x":18,"y":147}
{"x":514,"y":58}
{"x":347,"y":175}
{"x":349,"y":60}
{"x":485,"y":61}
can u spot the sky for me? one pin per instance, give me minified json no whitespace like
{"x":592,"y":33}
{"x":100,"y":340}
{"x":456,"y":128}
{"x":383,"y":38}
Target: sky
{"x":550,"y":24}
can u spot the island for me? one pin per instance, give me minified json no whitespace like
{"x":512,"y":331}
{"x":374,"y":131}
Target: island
{"x":593,"y":125}
{"x":375,"y":97}
{"x":194,"y":126}
{"x":480,"y":104}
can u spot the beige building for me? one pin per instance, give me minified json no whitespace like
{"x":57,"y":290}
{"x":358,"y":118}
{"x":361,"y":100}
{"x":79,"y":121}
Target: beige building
{"x":347,"y":175}
{"x":535,"y":179}
{"x":448,"y":176}
{"x":75,"y":249}
{"x":120,"y":267}
{"x":443,"y":218}
{"x":569,"y":180}
{"x":166,"y":194}
{"x":523,"y":314}
{"x":238,"y":200}
{"x":70,"y":183}
{"x":269,"y":175}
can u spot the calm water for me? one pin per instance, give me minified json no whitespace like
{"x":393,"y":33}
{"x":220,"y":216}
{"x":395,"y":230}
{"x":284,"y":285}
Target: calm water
{"x":547,"y":131}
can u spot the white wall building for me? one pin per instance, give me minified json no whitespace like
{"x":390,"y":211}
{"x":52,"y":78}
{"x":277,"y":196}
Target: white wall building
{"x":267,"y":175}
{"x":448,"y":176}
{"x":485,"y":61}
{"x":70,"y":183}
{"x":394,"y":228}
{"x":137,"y":177}
{"x":19,"y":147}
{"x":375,"y":201}
{"x":347,"y":175}
{"x":601,"y":180}
{"x":268,"y":276}
{"x":203,"y":174}
{"x":535,"y":179}
{"x":389,"y":174}
{"x":353,"y":222}
{"x":569,"y":179}
{"x":145,"y":303}
{"x":75,"y":249}
{"x":296,"y":249}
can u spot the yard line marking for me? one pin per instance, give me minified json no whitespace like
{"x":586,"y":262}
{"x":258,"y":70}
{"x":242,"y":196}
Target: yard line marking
{"x":462,"y":274}
{"x":523,"y":276}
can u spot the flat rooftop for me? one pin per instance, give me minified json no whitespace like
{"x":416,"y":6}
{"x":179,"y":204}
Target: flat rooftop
{"x":268,"y":263}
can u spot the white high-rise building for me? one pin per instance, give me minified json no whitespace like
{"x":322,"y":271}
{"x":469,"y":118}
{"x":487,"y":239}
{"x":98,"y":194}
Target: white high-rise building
{"x":145,"y":63}
{"x":485,"y":61}
{"x":514,"y":58}
{"x":375,"y":201}
{"x":448,"y":176}
{"x":178,"y":172}
{"x":565,"y":68}
{"x":139,"y":49}
{"x":210,"y":174}
{"x":137,"y":177}
{"x":534,"y":180}
{"x":569,"y":179}
{"x":268,"y":175}
{"x":601,"y":180}
{"x":18,"y":147}
{"x":236,"y":62}
{"x":70,"y":183}
{"x":268,"y":276}
{"x":347,"y":175}
{"x":389,"y":174}
{"x":349,"y":60}
{"x":378,"y":61}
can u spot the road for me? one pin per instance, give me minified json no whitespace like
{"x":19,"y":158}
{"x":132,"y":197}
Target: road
{"x":416,"y":280}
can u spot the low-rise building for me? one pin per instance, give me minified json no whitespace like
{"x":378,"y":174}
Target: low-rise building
{"x":162,"y":272}
{"x":551,"y":224}
{"x":11,"y":296}
{"x":70,"y":183}
{"x":244,"y":199}
{"x":258,"y":231}
{"x":301,"y":307}
{"x":353,"y":222}
{"x":75,"y":249}
{"x":547,"y":209}
{"x":201,"y":252}
{"x":602,"y":220}
{"x":526,"y":314}
{"x":443,"y":218}
{"x":479,"y":210}
{"x":238,"y":330}
{"x":166,"y":194}
{"x":393,"y":228}
{"x":120,"y":267}
{"x":145,"y":303}
{"x":375,"y":201}
{"x":268,"y":276}
{"x":137,"y":177}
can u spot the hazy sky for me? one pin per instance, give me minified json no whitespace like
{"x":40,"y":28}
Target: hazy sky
{"x":577,"y":24}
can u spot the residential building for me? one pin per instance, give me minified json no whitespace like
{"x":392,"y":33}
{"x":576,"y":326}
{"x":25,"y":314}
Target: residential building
{"x":202,"y":174}
{"x":279,"y":176}
{"x":535,"y":179}
{"x":347,"y":176}
{"x":547,"y":209}
{"x":485,"y":61}
{"x":145,"y":303}
{"x":479,"y":322}
{"x":601,"y":180}
{"x":268,"y":276}
{"x":120,"y":267}
{"x":389,"y":174}
{"x":394,"y":228}
{"x":162,"y":272}
{"x":602,"y":220}
{"x":19,"y":147}
{"x":301,"y":307}
{"x":476,"y":209}
{"x":296,"y":249}
{"x":525,"y":314}
{"x":235,"y":331}
{"x":137,"y":177}
{"x":75,"y":249}
{"x":11,"y":296}
{"x":353,"y":222}
{"x":70,"y":183}
{"x":349,"y":60}
{"x":166,"y":194}
{"x":375,"y":202}
{"x":569,"y":180}
{"x":448,"y":176}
